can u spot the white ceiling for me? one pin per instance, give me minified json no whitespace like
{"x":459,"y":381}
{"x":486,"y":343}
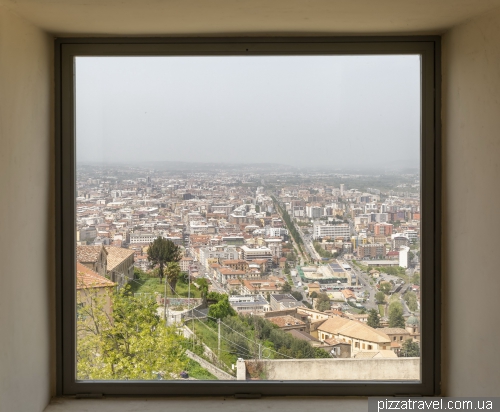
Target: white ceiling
{"x":247,"y":17}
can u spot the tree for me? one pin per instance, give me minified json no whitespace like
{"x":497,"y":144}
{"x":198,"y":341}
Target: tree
{"x":373,"y":319}
{"x":286,"y":288}
{"x":297,"y":295}
{"x":221,"y":309}
{"x":172,"y":273}
{"x":410,"y":349}
{"x":162,"y":251}
{"x":380,"y":297}
{"x":411,"y":301}
{"x":313,"y":295}
{"x":203,"y":285}
{"x":127,"y":342}
{"x":323,"y":302}
{"x":385,"y":287}
{"x":416,"y":278}
{"x":396,"y":319}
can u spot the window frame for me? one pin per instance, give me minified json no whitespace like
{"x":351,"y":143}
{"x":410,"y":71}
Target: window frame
{"x":65,"y":163}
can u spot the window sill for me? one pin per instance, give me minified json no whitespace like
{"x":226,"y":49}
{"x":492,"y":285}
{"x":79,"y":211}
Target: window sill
{"x":290,"y":404}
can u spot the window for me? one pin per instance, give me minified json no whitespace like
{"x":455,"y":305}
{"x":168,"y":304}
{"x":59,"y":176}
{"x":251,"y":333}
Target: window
{"x":107,"y":199}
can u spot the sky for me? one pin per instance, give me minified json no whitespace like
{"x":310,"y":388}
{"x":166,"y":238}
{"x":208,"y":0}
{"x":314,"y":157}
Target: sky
{"x":304,"y":111}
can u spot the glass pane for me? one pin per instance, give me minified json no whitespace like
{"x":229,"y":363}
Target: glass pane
{"x":248,"y":218}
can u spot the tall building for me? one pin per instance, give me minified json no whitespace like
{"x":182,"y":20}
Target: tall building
{"x":372,"y":250}
{"x":321,"y":230}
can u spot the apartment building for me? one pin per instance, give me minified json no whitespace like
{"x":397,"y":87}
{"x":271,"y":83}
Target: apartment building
{"x":371,"y":250}
{"x":321,"y":230}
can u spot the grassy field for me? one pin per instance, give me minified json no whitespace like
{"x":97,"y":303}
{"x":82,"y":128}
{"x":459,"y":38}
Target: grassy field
{"x":195,"y":370}
{"x":151,"y":285}
{"x":381,"y":309}
{"x":207,"y":333}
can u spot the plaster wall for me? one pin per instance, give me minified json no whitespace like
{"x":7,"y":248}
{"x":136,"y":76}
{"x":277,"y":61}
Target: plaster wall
{"x":336,"y":369}
{"x":26,"y":215}
{"x":471,"y":167}
{"x":471,"y":151}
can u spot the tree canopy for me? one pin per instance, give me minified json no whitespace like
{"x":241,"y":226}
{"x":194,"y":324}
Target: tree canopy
{"x":323,"y":302}
{"x":410,"y":349}
{"x":172,"y":273}
{"x":396,"y":319}
{"x":161,"y":251}
{"x":221,"y":309}
{"x":373,"y":319}
{"x":380,"y":297}
{"x":385,"y":287}
{"x":126,"y":340}
{"x":203,"y":285}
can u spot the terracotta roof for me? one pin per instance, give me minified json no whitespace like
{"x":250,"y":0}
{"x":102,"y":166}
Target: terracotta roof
{"x":233,"y":261}
{"x":394,"y":331}
{"x":88,"y":254}
{"x":302,"y":335}
{"x":116,"y":255}
{"x":352,"y":328}
{"x":229,"y":271}
{"x":334,"y":341}
{"x":86,"y":278}
{"x":348,"y":293}
{"x":286,"y":320}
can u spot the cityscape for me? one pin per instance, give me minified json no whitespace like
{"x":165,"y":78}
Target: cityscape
{"x":246,"y":271}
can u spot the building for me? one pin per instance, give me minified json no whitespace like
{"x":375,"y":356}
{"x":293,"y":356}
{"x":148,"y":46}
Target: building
{"x":404,"y":256}
{"x":219,"y":253}
{"x":93,"y":292}
{"x":120,"y":265}
{"x":383,"y":229}
{"x":262,"y":252}
{"x":371,"y":250}
{"x":397,"y":336}
{"x":142,"y":237}
{"x":87,"y":233}
{"x":252,"y":304}
{"x":361,"y":336}
{"x":288,"y":323}
{"x":94,"y":257}
{"x":399,"y":240}
{"x":185,"y":263}
{"x":321,"y":230}
{"x":283,"y":301}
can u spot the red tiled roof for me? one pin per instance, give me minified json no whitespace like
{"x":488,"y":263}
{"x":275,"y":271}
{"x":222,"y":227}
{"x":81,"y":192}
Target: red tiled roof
{"x":86,"y":278}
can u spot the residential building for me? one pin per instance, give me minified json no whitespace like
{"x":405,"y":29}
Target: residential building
{"x":321,"y":230}
{"x":120,"y":264}
{"x":361,"y":336}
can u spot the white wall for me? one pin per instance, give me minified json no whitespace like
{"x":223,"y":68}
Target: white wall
{"x":26,"y":217}
{"x":471,"y":117}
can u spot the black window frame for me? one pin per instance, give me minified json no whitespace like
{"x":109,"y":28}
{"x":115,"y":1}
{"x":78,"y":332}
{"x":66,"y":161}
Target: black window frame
{"x":429,"y":47}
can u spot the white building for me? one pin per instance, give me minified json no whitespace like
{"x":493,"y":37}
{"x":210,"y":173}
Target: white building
{"x":404,"y":258}
{"x":226,"y":253}
{"x":321,"y":230}
{"x":257,"y":253}
{"x":142,"y":237}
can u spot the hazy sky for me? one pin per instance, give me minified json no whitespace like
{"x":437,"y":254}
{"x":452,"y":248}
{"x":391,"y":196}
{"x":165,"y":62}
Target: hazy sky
{"x":337,"y":111}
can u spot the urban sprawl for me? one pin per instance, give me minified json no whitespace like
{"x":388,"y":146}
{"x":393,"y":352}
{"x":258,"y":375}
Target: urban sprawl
{"x":274,"y":268}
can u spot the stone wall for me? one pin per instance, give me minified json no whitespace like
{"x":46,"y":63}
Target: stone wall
{"x":219,"y":374}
